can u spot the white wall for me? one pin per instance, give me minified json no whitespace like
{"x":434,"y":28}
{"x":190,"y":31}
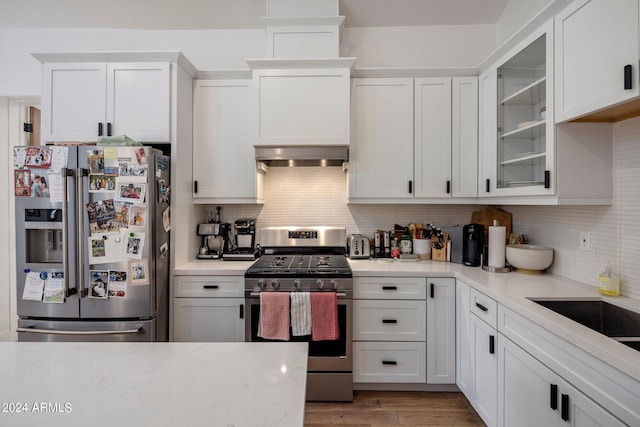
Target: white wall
{"x":228,"y":49}
{"x":5,"y":295}
{"x":516,"y":14}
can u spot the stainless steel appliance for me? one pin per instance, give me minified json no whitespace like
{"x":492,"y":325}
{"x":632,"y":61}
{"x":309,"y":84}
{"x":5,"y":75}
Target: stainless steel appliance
{"x":358,"y":246}
{"x":92,"y":246}
{"x":215,"y":239}
{"x":245,"y":241}
{"x":308,"y":259}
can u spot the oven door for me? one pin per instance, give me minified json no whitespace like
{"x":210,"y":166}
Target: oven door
{"x":324,"y":356}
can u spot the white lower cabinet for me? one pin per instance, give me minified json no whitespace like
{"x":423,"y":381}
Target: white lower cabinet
{"x":533,"y":395}
{"x":464,"y":371}
{"x":208,"y":309}
{"x":485,"y":370}
{"x":389,"y":330}
{"x":404,"y":330}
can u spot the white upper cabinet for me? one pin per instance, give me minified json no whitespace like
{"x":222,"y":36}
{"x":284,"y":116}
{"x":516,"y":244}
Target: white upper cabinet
{"x":596,"y":44}
{"x":381,"y":151}
{"x":413,"y":139}
{"x":82,"y":101}
{"x":301,"y":104}
{"x":224,"y":166}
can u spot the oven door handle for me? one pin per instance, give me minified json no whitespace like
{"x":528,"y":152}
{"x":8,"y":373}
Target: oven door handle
{"x":257,"y":294}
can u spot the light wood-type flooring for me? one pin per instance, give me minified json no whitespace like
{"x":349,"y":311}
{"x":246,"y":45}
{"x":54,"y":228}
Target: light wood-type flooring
{"x":394,"y":408}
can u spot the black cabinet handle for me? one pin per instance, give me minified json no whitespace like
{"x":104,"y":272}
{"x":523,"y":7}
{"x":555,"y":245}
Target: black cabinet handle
{"x":108,"y":129}
{"x":410,"y":187}
{"x":195,"y":187}
{"x":628,"y":76}
{"x":492,"y":344}
{"x":482,"y":307}
{"x":242,"y":311}
{"x":389,"y":288}
{"x":389,"y":321}
{"x":564,"y":410}
{"x":547,"y":179}
{"x":389,"y":362}
{"x":448,"y":187}
{"x":432,"y":290}
{"x":100,"y":130}
{"x":210,"y":286}
{"x":488,"y":185}
{"x":553,"y":397}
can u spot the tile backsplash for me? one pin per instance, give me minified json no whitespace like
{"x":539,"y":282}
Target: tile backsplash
{"x":317,"y":196}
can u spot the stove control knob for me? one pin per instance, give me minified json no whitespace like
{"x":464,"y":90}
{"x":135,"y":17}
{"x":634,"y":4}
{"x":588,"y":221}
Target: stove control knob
{"x":296,"y":284}
{"x":262,"y":284}
{"x":275,"y":284}
{"x":334,"y":284}
{"x":320,"y":283}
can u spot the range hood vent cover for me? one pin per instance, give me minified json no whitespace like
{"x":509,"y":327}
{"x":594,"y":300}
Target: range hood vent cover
{"x":332,"y":155}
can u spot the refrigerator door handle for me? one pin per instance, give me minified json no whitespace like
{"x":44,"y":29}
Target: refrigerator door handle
{"x":63,"y":332}
{"x":82,"y":173}
{"x":65,"y":230}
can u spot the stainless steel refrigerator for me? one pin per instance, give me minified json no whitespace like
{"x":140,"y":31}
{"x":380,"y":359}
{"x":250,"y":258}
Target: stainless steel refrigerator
{"x":92,"y":243}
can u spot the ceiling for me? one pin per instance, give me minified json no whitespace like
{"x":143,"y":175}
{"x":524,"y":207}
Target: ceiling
{"x":234,"y":14}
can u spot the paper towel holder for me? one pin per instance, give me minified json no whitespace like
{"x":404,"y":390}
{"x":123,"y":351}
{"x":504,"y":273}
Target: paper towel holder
{"x":485,"y":259}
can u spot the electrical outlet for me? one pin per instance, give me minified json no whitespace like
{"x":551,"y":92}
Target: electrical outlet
{"x":585,"y":240}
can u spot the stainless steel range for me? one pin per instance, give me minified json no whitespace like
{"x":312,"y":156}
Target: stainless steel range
{"x":308,"y":259}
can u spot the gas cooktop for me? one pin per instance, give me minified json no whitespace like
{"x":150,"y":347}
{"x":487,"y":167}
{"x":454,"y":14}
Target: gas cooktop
{"x":300,"y":265}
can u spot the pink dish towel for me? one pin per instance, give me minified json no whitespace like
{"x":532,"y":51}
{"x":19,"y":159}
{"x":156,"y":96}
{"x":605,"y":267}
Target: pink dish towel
{"x":274,"y":316}
{"x":324,"y":316}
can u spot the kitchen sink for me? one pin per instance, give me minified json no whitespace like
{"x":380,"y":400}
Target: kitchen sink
{"x":615,"y":322}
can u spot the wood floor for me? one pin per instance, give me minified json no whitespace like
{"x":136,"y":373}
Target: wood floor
{"x":394,"y":408}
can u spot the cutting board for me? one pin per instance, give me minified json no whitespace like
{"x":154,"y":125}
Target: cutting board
{"x":487,"y":215}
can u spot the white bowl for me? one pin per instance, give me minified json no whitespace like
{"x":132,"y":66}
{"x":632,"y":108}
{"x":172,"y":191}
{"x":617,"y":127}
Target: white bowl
{"x":529,"y":258}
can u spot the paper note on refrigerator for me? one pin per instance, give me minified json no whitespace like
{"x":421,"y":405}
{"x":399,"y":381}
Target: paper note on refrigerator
{"x":33,"y":287}
{"x":106,"y":248}
{"x":53,"y":289}
{"x":56,"y":190}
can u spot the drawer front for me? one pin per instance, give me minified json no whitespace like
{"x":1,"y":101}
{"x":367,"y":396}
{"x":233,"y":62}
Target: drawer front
{"x":389,"y":362}
{"x":376,"y":320}
{"x":390,"y":288}
{"x":209,"y":286}
{"x":484,"y":307}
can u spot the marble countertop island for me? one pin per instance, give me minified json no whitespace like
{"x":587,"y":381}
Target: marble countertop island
{"x":152,"y":384}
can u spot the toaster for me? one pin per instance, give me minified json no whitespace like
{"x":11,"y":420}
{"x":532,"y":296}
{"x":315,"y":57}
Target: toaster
{"x":357,"y":246}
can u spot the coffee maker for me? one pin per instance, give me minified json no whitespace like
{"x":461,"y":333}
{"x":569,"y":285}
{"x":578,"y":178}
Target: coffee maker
{"x":245,"y":241}
{"x":472,"y":244}
{"x":215,"y":239}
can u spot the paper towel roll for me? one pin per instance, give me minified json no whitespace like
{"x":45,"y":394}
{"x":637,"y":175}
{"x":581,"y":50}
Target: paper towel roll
{"x":497,"y":246}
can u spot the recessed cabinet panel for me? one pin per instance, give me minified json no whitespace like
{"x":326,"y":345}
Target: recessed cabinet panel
{"x":302,"y":106}
{"x":73,"y":101}
{"x":378,"y":320}
{"x":208,"y":320}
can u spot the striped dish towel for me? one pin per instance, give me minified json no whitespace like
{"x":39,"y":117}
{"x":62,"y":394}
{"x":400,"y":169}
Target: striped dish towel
{"x":300,"y":314}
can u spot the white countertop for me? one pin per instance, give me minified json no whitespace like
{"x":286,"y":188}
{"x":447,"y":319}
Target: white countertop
{"x":153,"y":384}
{"x":513,"y":290}
{"x":205,"y":267}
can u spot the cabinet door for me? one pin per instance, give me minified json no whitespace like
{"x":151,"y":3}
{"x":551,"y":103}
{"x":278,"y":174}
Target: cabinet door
{"x":73,"y":101}
{"x":302,"y":106}
{"x":594,"y":43}
{"x":464,"y":137}
{"x":533,"y":395}
{"x":138,"y":100}
{"x":464,"y":373}
{"x":381,"y":150}
{"x":389,"y":362}
{"x":208,"y":319}
{"x":441,"y":331}
{"x":487,"y":131}
{"x":224,"y":165}
{"x":432,"y":147}
{"x":485,"y":369}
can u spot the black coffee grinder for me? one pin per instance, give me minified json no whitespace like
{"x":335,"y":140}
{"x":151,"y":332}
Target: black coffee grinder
{"x":472,"y":244}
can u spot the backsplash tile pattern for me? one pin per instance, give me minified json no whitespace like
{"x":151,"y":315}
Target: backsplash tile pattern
{"x":317,"y":196}
{"x":615,"y":229}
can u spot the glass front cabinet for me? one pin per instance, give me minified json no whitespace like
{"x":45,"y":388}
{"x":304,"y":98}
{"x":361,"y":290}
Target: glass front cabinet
{"x":517,"y":126}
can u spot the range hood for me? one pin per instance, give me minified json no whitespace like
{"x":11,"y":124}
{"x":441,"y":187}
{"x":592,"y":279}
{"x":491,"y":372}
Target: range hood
{"x":300,"y":155}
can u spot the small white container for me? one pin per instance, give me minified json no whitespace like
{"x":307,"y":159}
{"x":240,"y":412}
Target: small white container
{"x":422,"y":248}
